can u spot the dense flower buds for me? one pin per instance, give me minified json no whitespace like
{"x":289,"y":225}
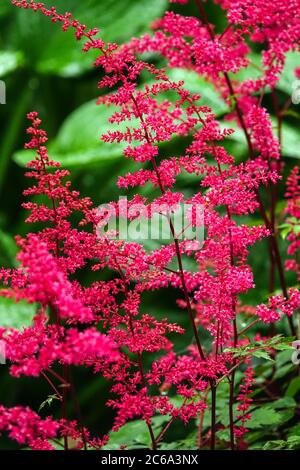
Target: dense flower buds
{"x":104,"y":325}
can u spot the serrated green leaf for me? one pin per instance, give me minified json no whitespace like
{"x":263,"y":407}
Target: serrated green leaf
{"x":283,"y":347}
{"x":274,"y":445}
{"x":260,"y":354}
{"x":293,"y":442}
{"x":264,"y":416}
{"x":49,"y":400}
{"x":285,"y":402}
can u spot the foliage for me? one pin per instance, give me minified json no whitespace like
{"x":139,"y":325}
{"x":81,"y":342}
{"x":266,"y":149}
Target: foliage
{"x":178,"y":345}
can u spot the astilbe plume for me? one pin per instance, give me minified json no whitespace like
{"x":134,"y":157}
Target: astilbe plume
{"x":104,"y":325}
{"x":293,"y":215}
{"x":245,"y":400}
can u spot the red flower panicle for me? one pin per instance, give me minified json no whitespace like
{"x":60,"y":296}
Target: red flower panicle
{"x":104,"y":325}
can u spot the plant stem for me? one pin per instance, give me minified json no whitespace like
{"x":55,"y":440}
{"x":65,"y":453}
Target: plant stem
{"x":248,"y":326}
{"x":52,"y":386}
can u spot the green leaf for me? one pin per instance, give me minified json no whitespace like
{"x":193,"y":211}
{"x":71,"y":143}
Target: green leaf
{"x":189,"y":443}
{"x":285,"y":402}
{"x":198,"y":85}
{"x":284,"y":370}
{"x":10,"y":61}
{"x":283,"y":347}
{"x":16,"y":314}
{"x":294,"y":430}
{"x":294,"y":387}
{"x":284,"y":232}
{"x":290,"y":141}
{"x":5,"y":9}
{"x":253,"y":71}
{"x":259,"y":348}
{"x":224,"y":435}
{"x":48,"y":401}
{"x":288,"y":74}
{"x":78,"y":140}
{"x":293,"y":442}
{"x":135,"y":434}
{"x":264,"y":416}
{"x":57,"y":53}
{"x":273,"y":414}
{"x":282,"y":358}
{"x":274,"y":445}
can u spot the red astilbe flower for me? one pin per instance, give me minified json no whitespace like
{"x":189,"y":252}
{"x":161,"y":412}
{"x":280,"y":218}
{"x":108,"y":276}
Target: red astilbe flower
{"x":261,"y":128}
{"x":37,"y":348}
{"x":277,"y":305}
{"x":245,"y":401}
{"x":59,"y":203}
{"x":228,"y":190}
{"x":46,"y":260}
{"x":46,"y":283}
{"x":274,"y":23}
{"x":27,"y":428}
{"x":292,"y":211}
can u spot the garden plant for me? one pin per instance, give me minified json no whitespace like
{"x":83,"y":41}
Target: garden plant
{"x":177,"y":122}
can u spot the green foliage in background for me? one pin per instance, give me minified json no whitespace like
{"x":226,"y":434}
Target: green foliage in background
{"x":44,"y":70}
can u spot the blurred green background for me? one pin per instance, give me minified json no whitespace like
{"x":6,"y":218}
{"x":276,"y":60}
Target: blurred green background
{"x":44,"y":70}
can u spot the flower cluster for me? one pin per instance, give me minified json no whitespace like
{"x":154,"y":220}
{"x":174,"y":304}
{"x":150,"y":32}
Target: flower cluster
{"x":104,"y":325}
{"x":245,"y":401}
{"x":293,"y":215}
{"x":27,"y":428}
